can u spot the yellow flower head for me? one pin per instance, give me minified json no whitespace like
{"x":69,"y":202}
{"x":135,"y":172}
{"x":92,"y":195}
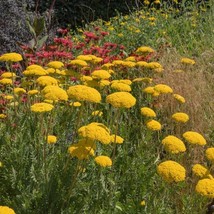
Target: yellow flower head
{"x":80,"y":151}
{"x":8,"y":97}
{"x":2,"y":116}
{"x":19,"y":91}
{"x":116,"y":139}
{"x":201,"y":171}
{"x":95,"y":131}
{"x":8,"y":75}
{"x":121,"y":100}
{"x":78,"y":62}
{"x":104,"y":83}
{"x":128,"y":64}
{"x":6,"y":210}
{"x":187,"y":61}
{"x":87,"y":143}
{"x":103,"y":161}
{"x":142,"y":64}
{"x":11,"y":57}
{"x":6,"y":81}
{"x":119,"y":86}
{"x":35,"y":70}
{"x":179,"y":98}
{"x":41,"y":107}
{"x":55,"y":64}
{"x":85,"y":57}
{"x":46,"y":80}
{"x":194,"y":138}
{"x":144,"y":49}
{"x":163,"y":89}
{"x":100,"y":74}
{"x":149,"y":90}
{"x":75,"y":104}
{"x":147,"y":112}
{"x":51,"y":139}
{"x":124,"y":81}
{"x":84,"y":93}
{"x":180,"y":117}
{"x":97,"y":113}
{"x":173,"y":144}
{"x":130,"y":58}
{"x":153,"y":125}
{"x":54,"y":93}
{"x":154,"y":65}
{"x":142,"y":203}
{"x":33,"y":92}
{"x":209,"y":153}
{"x":171,"y":171}
{"x":205,"y":187}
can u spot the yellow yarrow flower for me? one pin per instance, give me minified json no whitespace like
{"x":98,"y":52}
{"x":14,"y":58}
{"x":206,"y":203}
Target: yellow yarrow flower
{"x":51,"y":139}
{"x":144,"y":49}
{"x":163,"y":89}
{"x":2,"y":116}
{"x":143,"y":203}
{"x":194,"y":138}
{"x":103,"y":161}
{"x":116,"y":139}
{"x":187,"y":61}
{"x":142,"y":64}
{"x":41,"y":107}
{"x":54,"y":93}
{"x":95,"y":131}
{"x":180,"y":117}
{"x":209,"y":153}
{"x":104,"y":83}
{"x":6,"y":81}
{"x":171,"y":171}
{"x":35,"y":70}
{"x":125,"y":81}
{"x":154,"y":65}
{"x":80,"y":151}
{"x":8,"y":97}
{"x":19,"y":91}
{"x":130,"y":58}
{"x":128,"y":64}
{"x":149,"y":90}
{"x":46,"y":80}
{"x":201,"y":171}
{"x":11,"y":57}
{"x":55,"y":64}
{"x":75,"y":104}
{"x":179,"y":98}
{"x":32,"y":92}
{"x":173,"y":144}
{"x":8,"y":75}
{"x":84,"y":93}
{"x":205,"y":187}
{"x":119,"y":86}
{"x":121,"y":100}
{"x":78,"y":62}
{"x":97,"y":113}
{"x":153,"y":125}
{"x":6,"y":210}
{"x":100,"y":74}
{"x":85,"y":57}
{"x":147,"y":112}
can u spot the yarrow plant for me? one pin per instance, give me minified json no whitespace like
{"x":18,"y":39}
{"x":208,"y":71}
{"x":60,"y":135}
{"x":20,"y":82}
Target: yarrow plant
{"x":87,"y":117}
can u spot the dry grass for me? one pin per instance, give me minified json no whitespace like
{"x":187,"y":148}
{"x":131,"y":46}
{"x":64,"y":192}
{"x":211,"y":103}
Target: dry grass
{"x":195,"y":83}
